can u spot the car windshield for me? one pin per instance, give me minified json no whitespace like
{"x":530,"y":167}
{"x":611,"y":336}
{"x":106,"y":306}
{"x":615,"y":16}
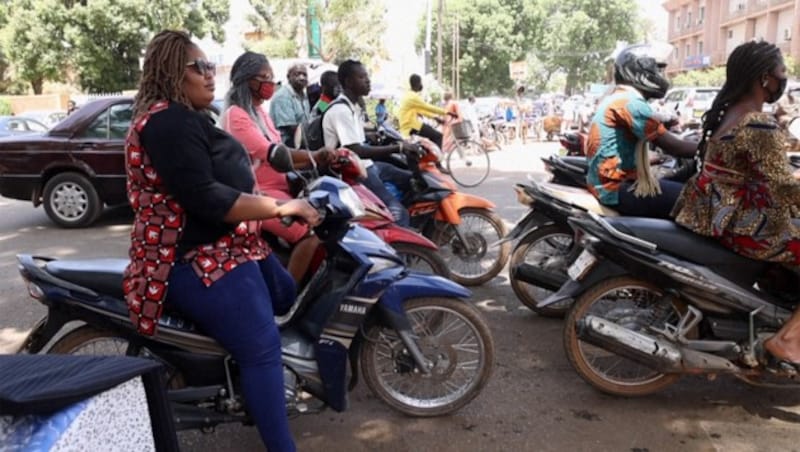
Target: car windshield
{"x":705,"y":95}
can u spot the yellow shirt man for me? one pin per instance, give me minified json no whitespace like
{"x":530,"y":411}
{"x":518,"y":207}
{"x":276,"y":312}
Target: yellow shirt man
{"x":411,"y":106}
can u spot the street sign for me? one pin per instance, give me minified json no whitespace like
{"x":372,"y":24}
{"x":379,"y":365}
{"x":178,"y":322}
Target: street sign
{"x":518,"y":70}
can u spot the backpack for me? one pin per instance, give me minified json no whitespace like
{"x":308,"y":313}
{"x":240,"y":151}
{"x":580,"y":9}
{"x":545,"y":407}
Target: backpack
{"x":313,"y":137}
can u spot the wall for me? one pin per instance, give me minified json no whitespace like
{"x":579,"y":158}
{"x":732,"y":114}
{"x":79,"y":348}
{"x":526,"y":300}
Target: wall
{"x":21,"y":104}
{"x":736,"y":35}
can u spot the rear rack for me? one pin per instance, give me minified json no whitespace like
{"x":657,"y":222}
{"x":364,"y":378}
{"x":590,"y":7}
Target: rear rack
{"x":652,"y":247}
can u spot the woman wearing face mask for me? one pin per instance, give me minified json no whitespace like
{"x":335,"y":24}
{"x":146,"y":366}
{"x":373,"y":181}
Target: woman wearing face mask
{"x":745,"y":194}
{"x":244,"y":118}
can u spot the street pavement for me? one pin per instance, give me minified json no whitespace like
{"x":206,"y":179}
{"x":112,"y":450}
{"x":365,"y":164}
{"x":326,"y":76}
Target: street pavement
{"x":534,"y":401}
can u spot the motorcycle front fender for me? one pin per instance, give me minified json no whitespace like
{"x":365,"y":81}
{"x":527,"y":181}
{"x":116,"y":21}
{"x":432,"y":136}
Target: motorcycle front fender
{"x":392,"y":233}
{"x":417,"y":285}
{"x":572,"y":289}
{"x":532,"y":221}
{"x":450,"y":205}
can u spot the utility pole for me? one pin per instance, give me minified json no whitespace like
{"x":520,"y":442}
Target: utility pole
{"x":428,"y":68}
{"x":439,"y":42}
{"x":454,"y":57}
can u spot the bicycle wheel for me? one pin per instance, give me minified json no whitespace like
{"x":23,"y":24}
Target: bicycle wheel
{"x":468,"y":163}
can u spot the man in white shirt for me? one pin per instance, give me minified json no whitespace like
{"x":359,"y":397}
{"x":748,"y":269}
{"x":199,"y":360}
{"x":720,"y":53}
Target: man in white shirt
{"x":342,"y":126}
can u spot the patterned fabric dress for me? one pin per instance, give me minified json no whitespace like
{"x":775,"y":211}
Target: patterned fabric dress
{"x":746,"y":195}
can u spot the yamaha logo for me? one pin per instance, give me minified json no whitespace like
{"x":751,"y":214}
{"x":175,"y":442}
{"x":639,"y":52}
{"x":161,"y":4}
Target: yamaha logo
{"x":352,"y":309}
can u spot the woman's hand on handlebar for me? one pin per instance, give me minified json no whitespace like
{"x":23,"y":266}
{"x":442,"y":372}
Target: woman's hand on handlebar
{"x":325,"y":156}
{"x":300,"y":208}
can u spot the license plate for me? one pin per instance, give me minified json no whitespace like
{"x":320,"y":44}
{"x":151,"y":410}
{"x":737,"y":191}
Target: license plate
{"x":582,"y":264}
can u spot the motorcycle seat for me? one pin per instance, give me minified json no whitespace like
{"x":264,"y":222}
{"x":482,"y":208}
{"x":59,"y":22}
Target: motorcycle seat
{"x":100,"y":275}
{"x":674,"y":239}
{"x":580,"y":164}
{"x":577,"y":197}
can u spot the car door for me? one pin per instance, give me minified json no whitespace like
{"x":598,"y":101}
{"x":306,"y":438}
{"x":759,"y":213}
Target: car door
{"x":100,"y":148}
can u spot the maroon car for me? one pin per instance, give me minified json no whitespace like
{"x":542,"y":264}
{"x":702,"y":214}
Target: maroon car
{"x":74,"y":169}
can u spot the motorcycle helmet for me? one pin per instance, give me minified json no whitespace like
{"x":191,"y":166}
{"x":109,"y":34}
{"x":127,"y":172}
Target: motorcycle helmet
{"x":642,"y":67}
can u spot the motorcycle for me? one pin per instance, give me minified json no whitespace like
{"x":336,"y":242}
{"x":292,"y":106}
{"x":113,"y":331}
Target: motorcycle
{"x":462,"y":225}
{"x":573,"y":143}
{"x":417,"y":252}
{"x":655,"y":301}
{"x":421,"y":347}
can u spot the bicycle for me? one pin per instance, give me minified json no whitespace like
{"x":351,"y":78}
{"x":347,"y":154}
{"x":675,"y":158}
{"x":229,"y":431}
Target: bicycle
{"x":467,"y":160}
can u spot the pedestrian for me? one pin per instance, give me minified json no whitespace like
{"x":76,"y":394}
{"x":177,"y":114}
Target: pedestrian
{"x":251,"y":84}
{"x":71,"y":107}
{"x":196,"y":244}
{"x":289,"y":107}
{"x":381,"y":114}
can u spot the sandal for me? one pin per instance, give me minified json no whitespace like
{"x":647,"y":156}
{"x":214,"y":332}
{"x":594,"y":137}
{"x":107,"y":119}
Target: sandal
{"x":774,"y":364}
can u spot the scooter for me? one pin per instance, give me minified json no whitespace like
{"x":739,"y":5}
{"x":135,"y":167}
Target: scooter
{"x":656,"y":301}
{"x":462,"y":225}
{"x":421,"y":347}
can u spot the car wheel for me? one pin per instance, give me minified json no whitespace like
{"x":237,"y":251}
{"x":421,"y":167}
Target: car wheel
{"x":71,"y":201}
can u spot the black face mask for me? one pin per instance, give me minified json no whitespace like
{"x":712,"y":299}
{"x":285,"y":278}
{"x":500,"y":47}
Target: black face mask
{"x":775,"y":95}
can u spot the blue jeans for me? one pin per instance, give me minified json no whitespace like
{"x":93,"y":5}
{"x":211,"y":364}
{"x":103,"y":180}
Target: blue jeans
{"x":653,"y":207}
{"x":237,"y":311}
{"x":382,"y":171}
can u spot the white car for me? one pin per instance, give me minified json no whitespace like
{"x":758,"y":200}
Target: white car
{"x":689,"y":103}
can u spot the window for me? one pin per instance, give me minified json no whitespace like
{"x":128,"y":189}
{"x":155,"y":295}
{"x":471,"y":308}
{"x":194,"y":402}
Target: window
{"x":688,"y":50}
{"x":16,"y":125}
{"x":689,"y":19}
{"x":699,"y":47}
{"x":677,"y":22}
{"x":113,"y":123}
{"x":787,"y":34}
{"x":730,"y":34}
{"x":36,"y":127}
{"x":701,"y":15}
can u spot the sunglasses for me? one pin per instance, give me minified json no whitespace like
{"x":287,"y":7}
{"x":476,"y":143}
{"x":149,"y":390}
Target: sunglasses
{"x":203,"y":67}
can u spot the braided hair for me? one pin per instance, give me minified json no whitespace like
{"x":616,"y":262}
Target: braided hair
{"x":163,"y":70}
{"x":745,"y":65}
{"x":247,"y":66}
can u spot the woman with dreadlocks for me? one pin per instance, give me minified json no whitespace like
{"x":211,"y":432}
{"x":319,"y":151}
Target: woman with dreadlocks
{"x":244,"y":118}
{"x":745,"y":194}
{"x":196,"y":242}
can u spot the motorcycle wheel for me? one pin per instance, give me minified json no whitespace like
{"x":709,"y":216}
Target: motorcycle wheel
{"x":474,"y":262}
{"x":453,"y":336}
{"x":422,"y":259}
{"x":88,"y":340}
{"x":546,"y":249}
{"x":629,"y":302}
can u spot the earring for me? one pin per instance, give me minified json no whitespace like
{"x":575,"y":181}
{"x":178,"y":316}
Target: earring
{"x":764,"y":83}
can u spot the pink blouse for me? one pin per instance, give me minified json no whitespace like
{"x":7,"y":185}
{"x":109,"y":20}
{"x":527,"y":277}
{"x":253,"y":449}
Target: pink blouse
{"x":241,"y":126}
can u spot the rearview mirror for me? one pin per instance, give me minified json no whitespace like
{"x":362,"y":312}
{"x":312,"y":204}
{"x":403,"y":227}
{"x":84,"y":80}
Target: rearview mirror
{"x":280,"y":158}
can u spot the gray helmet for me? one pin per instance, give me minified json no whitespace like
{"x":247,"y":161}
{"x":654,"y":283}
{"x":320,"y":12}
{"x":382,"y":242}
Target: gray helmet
{"x":640,"y":67}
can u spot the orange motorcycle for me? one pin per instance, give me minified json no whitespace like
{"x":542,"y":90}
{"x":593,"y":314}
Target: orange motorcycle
{"x":462,"y":225}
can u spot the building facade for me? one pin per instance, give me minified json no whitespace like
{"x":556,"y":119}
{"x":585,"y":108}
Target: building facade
{"x":705,"y":32}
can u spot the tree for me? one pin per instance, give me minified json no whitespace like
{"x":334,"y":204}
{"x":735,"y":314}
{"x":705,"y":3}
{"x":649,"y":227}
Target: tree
{"x":100,"y":40}
{"x":350,"y":28}
{"x":109,"y":35}
{"x":573,"y":37}
{"x":33,"y":39}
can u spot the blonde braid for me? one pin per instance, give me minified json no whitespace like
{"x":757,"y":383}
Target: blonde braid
{"x":163,"y":71}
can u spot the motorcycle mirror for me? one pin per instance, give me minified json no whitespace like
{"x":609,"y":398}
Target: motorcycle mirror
{"x":280,"y":158}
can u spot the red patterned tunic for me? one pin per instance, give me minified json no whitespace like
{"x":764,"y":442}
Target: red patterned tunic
{"x":159,"y":224}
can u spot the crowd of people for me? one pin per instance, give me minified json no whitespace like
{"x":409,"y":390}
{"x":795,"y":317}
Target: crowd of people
{"x":205,"y":196}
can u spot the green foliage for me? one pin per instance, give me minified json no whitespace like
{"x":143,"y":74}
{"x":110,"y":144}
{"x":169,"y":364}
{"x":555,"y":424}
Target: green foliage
{"x":5,"y":107}
{"x":708,"y":77}
{"x":792,"y":66}
{"x":350,"y":28}
{"x":100,"y":40}
{"x":570,"y":37}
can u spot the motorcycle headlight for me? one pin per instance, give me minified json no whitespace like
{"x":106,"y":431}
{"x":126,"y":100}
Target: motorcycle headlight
{"x":351,"y":200}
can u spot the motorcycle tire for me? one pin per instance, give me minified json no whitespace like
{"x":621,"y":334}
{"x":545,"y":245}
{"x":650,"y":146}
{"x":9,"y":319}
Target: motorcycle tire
{"x":84,"y":340}
{"x":576,"y":349}
{"x":477,"y":246}
{"x":528,"y":294}
{"x":392,"y":375}
{"x":412,"y":253}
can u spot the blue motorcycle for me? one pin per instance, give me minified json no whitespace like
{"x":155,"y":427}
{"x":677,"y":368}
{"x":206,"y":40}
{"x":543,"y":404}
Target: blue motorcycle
{"x":421,"y":347}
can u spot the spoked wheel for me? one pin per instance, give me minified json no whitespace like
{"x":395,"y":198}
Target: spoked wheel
{"x":467,"y":251}
{"x":547,"y":249}
{"x":468,"y":163}
{"x":422,"y":259}
{"x":88,"y":340}
{"x":635,"y":305}
{"x":455,"y":341}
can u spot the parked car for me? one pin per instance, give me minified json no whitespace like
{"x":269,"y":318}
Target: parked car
{"x":47,"y":117}
{"x":20,"y":125}
{"x":75,"y":168}
{"x":690,"y":103}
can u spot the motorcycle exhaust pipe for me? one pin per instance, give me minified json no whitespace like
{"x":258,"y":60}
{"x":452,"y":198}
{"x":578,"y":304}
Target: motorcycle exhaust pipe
{"x":531,"y":274}
{"x":657,"y":354}
{"x":190,"y":417}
